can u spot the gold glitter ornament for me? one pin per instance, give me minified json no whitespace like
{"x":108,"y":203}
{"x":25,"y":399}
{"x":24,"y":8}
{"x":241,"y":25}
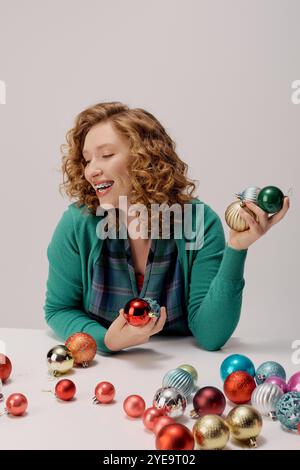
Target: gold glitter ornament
{"x":211,"y":432}
{"x":245,"y":424}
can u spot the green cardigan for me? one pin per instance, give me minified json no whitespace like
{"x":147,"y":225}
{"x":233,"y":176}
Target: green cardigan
{"x":213,"y":279}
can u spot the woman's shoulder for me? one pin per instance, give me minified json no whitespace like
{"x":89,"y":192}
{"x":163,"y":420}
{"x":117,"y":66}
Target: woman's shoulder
{"x":205,"y":211}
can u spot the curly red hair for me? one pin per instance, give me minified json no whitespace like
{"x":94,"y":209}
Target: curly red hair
{"x":157,"y":173}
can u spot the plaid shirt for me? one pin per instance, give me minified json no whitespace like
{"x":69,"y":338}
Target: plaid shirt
{"x":115,"y":282}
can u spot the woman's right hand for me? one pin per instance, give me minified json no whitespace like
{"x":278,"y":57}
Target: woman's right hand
{"x":121,"y":334}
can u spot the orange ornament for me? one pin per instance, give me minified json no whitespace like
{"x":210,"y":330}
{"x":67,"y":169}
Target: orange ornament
{"x":150,"y":416}
{"x":238,"y":387}
{"x":83,"y":348}
{"x":174,"y":437}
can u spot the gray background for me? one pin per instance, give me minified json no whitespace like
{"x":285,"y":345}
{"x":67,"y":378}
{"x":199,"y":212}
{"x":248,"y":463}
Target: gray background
{"x":217,"y":74}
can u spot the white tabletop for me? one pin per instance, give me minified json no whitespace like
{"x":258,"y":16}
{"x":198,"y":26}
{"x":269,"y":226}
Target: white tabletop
{"x":52,"y":424}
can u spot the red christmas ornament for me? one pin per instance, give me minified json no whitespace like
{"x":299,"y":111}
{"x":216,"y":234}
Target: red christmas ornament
{"x":298,"y":428}
{"x":5,"y":367}
{"x":83,"y":348}
{"x":161,"y":422}
{"x":150,"y":416}
{"x":65,"y":389}
{"x":16,"y":404}
{"x":136,"y":312}
{"x":208,"y":400}
{"x":174,"y":437}
{"x":104,"y":393}
{"x":239,"y":386}
{"x":134,"y":406}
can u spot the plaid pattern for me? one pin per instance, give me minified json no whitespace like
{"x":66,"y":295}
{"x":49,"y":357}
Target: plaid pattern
{"x":114,"y":282}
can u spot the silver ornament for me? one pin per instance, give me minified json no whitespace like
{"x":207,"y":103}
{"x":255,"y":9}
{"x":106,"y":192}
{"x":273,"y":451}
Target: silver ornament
{"x":249,"y":194}
{"x":181,"y":380}
{"x":264,"y":398}
{"x":171,"y":401}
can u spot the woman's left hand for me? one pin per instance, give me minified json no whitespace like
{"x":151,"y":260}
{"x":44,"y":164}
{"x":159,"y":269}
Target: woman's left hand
{"x":242,"y":240}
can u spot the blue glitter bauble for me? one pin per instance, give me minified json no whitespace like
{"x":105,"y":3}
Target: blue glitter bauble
{"x":288,"y":410}
{"x":268,"y":369}
{"x":236,"y":362}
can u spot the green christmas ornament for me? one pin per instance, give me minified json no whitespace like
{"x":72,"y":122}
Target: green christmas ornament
{"x":270,"y":199}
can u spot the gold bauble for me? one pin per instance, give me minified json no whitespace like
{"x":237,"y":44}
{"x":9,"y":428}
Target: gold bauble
{"x":60,"y":360}
{"x":233,"y":216}
{"x":191,"y":370}
{"x":245,"y":423}
{"x":211,"y":432}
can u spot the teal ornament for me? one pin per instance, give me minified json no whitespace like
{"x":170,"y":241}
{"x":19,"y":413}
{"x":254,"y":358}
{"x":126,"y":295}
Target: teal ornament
{"x":181,"y":380}
{"x":249,"y":194}
{"x":270,"y":199}
{"x":236,"y":362}
{"x":288,"y":410}
{"x":267,"y":369}
{"x":154,"y":306}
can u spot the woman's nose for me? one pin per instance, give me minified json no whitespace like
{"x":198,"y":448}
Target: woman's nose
{"x":95,"y":172}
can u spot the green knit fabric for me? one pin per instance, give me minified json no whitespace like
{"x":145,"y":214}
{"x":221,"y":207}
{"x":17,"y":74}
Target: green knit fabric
{"x":213,"y":279}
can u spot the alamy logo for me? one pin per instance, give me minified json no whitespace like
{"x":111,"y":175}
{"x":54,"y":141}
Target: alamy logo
{"x":2,"y":92}
{"x":295,"y":97}
{"x":186,"y":226}
{"x":296,"y":353}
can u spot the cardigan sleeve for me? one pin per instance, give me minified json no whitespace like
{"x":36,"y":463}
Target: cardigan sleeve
{"x":216,"y":286}
{"x":64,"y":291}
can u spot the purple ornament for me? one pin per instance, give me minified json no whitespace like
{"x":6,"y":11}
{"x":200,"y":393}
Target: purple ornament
{"x":294,"y":383}
{"x":278,"y":381}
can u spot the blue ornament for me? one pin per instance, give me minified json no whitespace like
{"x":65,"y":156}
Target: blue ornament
{"x":181,"y":380}
{"x":288,"y":410}
{"x":154,"y":306}
{"x":268,"y":369}
{"x":236,"y":362}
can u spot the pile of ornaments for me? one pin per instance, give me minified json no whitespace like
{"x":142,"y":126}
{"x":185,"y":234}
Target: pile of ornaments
{"x":269,"y":199}
{"x":264,"y":387}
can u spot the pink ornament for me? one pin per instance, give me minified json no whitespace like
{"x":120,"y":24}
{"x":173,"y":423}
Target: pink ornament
{"x":150,"y":417}
{"x":104,"y":393}
{"x":278,"y":381}
{"x":134,"y":406}
{"x":294,"y":382}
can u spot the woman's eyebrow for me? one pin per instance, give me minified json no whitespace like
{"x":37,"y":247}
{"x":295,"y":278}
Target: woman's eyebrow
{"x":84,"y":152}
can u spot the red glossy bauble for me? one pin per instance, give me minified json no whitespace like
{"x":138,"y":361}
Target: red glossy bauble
{"x":65,"y":389}
{"x":16,"y":404}
{"x":134,"y":406}
{"x":5,"y":367}
{"x":208,"y":400}
{"x":105,"y":392}
{"x":174,"y":437}
{"x":161,"y":422}
{"x":150,"y":416}
{"x":136,"y":312}
{"x":238,"y":386}
{"x":298,"y":428}
{"x":83,"y":348}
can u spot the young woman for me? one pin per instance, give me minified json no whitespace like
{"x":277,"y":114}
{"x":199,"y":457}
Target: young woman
{"x":115,"y":151}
